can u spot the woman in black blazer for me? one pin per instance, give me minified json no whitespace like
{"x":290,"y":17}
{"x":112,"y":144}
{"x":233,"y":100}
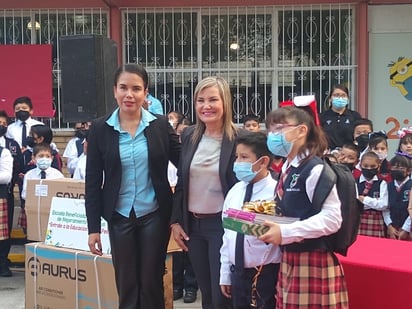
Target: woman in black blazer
{"x":127,"y":185}
{"x":205,"y":175}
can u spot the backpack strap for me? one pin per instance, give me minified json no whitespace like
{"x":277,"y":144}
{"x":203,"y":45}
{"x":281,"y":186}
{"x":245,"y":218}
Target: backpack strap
{"x":325,"y":184}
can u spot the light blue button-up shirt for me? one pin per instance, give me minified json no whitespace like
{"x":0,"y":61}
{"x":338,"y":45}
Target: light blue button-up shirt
{"x":136,"y":188}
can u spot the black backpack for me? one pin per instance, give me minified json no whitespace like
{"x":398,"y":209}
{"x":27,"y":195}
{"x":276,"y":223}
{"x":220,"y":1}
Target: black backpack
{"x":340,"y":174}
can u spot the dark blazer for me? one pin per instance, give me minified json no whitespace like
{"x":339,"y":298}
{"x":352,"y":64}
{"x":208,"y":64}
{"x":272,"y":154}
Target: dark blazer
{"x":227,"y":177}
{"x":103,"y":162}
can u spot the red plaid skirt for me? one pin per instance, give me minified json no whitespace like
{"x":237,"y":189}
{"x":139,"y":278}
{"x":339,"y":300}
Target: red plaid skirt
{"x":372,"y":224}
{"x":310,"y":280}
{"x":22,"y":219}
{"x":4,"y":225}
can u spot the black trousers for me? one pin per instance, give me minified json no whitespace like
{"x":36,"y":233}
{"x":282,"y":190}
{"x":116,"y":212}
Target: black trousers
{"x":265,"y":290}
{"x":204,"y":253}
{"x":139,"y":248}
{"x":183,"y":275}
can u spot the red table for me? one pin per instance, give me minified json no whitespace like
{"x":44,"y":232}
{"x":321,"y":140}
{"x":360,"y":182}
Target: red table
{"x":378,"y":273}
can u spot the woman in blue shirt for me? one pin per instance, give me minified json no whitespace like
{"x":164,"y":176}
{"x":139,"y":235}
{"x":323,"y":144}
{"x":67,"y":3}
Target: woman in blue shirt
{"x":127,"y":185}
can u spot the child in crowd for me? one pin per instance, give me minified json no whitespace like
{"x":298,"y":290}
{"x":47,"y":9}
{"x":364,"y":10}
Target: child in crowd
{"x":378,"y":143}
{"x":361,"y":129}
{"x":349,"y":156}
{"x":396,"y":215}
{"x":41,"y":133}
{"x":373,"y":194}
{"x":251,"y":281}
{"x":74,"y":147}
{"x":6,"y":172}
{"x":251,"y":123}
{"x":42,"y":158}
{"x":80,"y":170}
{"x":175,"y":118}
{"x":303,"y":281}
{"x":405,"y":142}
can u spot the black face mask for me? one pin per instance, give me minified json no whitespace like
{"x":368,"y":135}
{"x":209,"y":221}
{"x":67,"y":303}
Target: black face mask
{"x":398,"y":175}
{"x":81,"y":133}
{"x":350,"y":166}
{"x":3,"y":130}
{"x":362,"y":141}
{"x":22,"y":115}
{"x":30,"y":141}
{"x":369,"y":173}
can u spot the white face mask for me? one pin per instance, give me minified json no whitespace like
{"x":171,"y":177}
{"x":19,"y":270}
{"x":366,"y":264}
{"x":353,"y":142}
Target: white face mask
{"x":382,"y":155}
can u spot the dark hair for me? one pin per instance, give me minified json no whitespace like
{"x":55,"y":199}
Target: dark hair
{"x":407,"y":138}
{"x":42,"y":147}
{"x":363,"y":122}
{"x":3,"y":114}
{"x":400,"y":161}
{"x":371,"y":155}
{"x":374,"y":141}
{"x":257,"y":142}
{"x":44,"y":131}
{"x":26,"y":100}
{"x":133,"y":69}
{"x":178,"y":115}
{"x":250,"y":117}
{"x":185,"y":121}
{"x":352,"y":147}
{"x":340,"y":87}
{"x":316,"y":141}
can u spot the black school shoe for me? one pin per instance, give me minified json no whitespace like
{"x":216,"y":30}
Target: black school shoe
{"x":190,"y":297}
{"x":5,"y":270}
{"x":177,"y":294}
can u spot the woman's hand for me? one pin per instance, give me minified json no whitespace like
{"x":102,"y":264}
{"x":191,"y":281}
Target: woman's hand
{"x":273,"y":235}
{"x":179,"y":236}
{"x":226,"y":290}
{"x":95,"y":244}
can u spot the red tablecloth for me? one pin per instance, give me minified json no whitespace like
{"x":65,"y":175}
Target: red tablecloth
{"x":378,"y":273}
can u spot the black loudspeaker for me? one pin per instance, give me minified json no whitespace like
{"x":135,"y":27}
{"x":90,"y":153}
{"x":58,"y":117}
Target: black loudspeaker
{"x":88,"y":64}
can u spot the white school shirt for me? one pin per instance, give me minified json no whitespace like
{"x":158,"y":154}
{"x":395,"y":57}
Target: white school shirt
{"x":71,"y":154}
{"x":80,"y":171}
{"x":51,"y":173}
{"x":14,"y":130}
{"x":6,"y":166}
{"x":326,"y":222}
{"x":256,"y":252}
{"x":380,"y":203}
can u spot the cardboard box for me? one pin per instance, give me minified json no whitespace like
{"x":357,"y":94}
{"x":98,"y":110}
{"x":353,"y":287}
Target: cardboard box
{"x":59,"y":278}
{"x":39,"y":195}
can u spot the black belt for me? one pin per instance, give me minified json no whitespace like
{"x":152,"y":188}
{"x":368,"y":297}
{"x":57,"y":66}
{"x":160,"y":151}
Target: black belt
{"x":205,"y":216}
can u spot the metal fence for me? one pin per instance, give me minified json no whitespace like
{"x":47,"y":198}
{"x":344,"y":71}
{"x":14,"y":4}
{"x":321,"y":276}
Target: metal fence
{"x":268,"y":54}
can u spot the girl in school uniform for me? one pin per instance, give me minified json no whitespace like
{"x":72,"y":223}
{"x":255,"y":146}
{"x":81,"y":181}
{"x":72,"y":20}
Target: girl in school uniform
{"x":396,"y":216}
{"x":373,"y":194}
{"x":310,"y":275}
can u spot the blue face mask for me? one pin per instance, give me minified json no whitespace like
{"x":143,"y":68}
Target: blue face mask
{"x":43,"y":163}
{"x":244,"y":172}
{"x":278,"y":145}
{"x":339,"y":103}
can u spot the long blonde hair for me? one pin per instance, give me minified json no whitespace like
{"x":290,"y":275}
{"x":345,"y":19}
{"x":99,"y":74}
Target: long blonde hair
{"x":229,"y":129}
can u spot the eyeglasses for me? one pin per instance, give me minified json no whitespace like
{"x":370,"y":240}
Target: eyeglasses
{"x":281,"y":127}
{"x":339,"y":95}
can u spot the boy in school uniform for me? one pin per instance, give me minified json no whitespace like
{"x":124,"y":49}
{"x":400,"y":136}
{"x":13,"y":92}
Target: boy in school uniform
{"x":373,"y":194}
{"x":42,"y":157}
{"x":250,"y":281}
{"x":396,"y":216}
{"x":251,"y":123}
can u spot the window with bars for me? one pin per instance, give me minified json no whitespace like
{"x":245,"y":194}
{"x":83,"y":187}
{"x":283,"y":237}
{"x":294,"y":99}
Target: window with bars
{"x":267,"y":54}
